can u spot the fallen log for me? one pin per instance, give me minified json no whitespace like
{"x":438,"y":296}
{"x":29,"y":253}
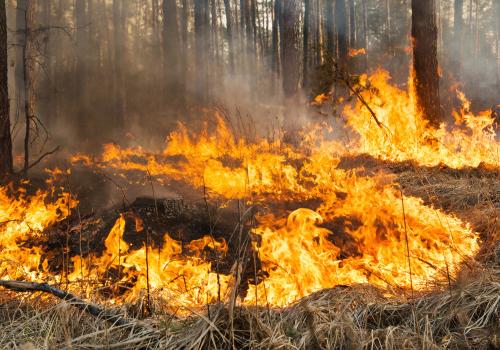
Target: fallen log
{"x":92,"y":309}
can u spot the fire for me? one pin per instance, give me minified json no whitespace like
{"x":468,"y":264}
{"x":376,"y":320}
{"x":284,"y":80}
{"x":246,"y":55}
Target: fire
{"x":24,"y":217}
{"x":405,"y":135}
{"x":182,"y":280}
{"x":356,"y":52}
{"x":359,"y":229}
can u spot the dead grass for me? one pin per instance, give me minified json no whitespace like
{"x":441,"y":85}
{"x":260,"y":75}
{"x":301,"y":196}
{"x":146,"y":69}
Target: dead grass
{"x":459,"y":314}
{"x":358,"y":317}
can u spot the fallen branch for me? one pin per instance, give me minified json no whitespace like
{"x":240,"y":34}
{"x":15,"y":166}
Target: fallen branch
{"x":92,"y":309}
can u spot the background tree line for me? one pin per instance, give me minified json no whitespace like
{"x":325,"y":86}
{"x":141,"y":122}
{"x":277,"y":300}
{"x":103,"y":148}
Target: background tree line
{"x":81,"y":66}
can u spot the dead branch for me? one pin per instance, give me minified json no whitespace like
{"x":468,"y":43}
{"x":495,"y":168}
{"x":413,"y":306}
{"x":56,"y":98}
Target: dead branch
{"x":344,"y":77}
{"x":92,"y":309}
{"x":46,"y":154}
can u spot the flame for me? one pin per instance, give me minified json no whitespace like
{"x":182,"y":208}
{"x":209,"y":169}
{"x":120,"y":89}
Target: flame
{"x":24,"y":217}
{"x":356,"y":52}
{"x":361,"y":229}
{"x":406,"y":135}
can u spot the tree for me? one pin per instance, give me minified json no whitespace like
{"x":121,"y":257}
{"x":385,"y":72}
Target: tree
{"x":330,"y":29}
{"x":5,"y":137}
{"x":342,"y":31}
{"x":457,"y":35}
{"x":29,"y":61}
{"x":20,"y":45}
{"x":306,"y":38}
{"x":229,"y":33}
{"x":290,"y":47}
{"x":119,"y":58}
{"x":201,"y":47}
{"x":171,"y":48}
{"x":425,"y":63}
{"x":81,"y":71}
{"x":352,"y":24}
{"x":497,"y":24}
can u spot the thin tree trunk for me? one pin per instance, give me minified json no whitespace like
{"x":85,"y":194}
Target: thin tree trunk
{"x":458,"y":36}
{"x":119,"y":59}
{"x":290,"y":48}
{"x":425,"y":63}
{"x":5,"y":136}
{"x":342,"y":30}
{"x":330,"y":29}
{"x":29,"y":61}
{"x":200,"y":24}
{"x":352,"y":24}
{"x":306,"y":38}
{"x":20,"y":46}
{"x":171,"y":51}
{"x":497,"y":24}
{"x":81,"y":68}
{"x":365,"y":33}
{"x":229,"y":33}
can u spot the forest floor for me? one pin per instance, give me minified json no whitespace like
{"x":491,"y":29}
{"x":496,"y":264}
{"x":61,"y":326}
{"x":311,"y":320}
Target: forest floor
{"x":462,"y":312}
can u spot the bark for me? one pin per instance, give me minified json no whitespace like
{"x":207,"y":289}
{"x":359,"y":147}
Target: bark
{"x":365,"y":33}
{"x":306,"y":38}
{"x":290,"y":48}
{"x":497,"y":24}
{"x":275,"y":38}
{"x":81,"y":68}
{"x":229,"y":33}
{"x":342,"y":31}
{"x":20,"y":45}
{"x":330,"y":29}
{"x":458,"y":36}
{"x":29,"y":62}
{"x":119,"y":21}
{"x":425,"y":63}
{"x":201,"y":47}
{"x":171,"y":51}
{"x":352,"y":24}
{"x":5,"y":136}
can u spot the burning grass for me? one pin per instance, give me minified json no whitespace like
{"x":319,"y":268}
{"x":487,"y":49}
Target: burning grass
{"x":463,"y":315}
{"x":324,"y":246}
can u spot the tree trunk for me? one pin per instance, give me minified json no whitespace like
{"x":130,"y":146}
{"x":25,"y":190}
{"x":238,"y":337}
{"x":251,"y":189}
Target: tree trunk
{"x":81,"y":73}
{"x":306,"y":38}
{"x":29,"y":62}
{"x":458,"y":36}
{"x":20,"y":45}
{"x":342,"y":31}
{"x":330,"y":29}
{"x":5,"y":137}
{"x":365,"y":33}
{"x":275,"y":38}
{"x":425,"y":63}
{"x":118,"y":58}
{"x":290,"y":48}
{"x":497,"y":24}
{"x":352,"y":24}
{"x":229,"y":34}
{"x":171,"y":50}
{"x":200,"y":26}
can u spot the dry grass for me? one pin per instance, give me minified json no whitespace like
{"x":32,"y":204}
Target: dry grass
{"x":358,"y":317}
{"x":459,"y":314}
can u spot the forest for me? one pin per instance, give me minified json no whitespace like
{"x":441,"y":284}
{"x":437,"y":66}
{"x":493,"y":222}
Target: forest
{"x":249,"y":174}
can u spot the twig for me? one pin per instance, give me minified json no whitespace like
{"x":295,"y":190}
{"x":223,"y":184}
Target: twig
{"x":46,"y":154}
{"x":92,"y":309}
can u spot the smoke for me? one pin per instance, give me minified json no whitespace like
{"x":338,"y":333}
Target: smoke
{"x":101,"y":90}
